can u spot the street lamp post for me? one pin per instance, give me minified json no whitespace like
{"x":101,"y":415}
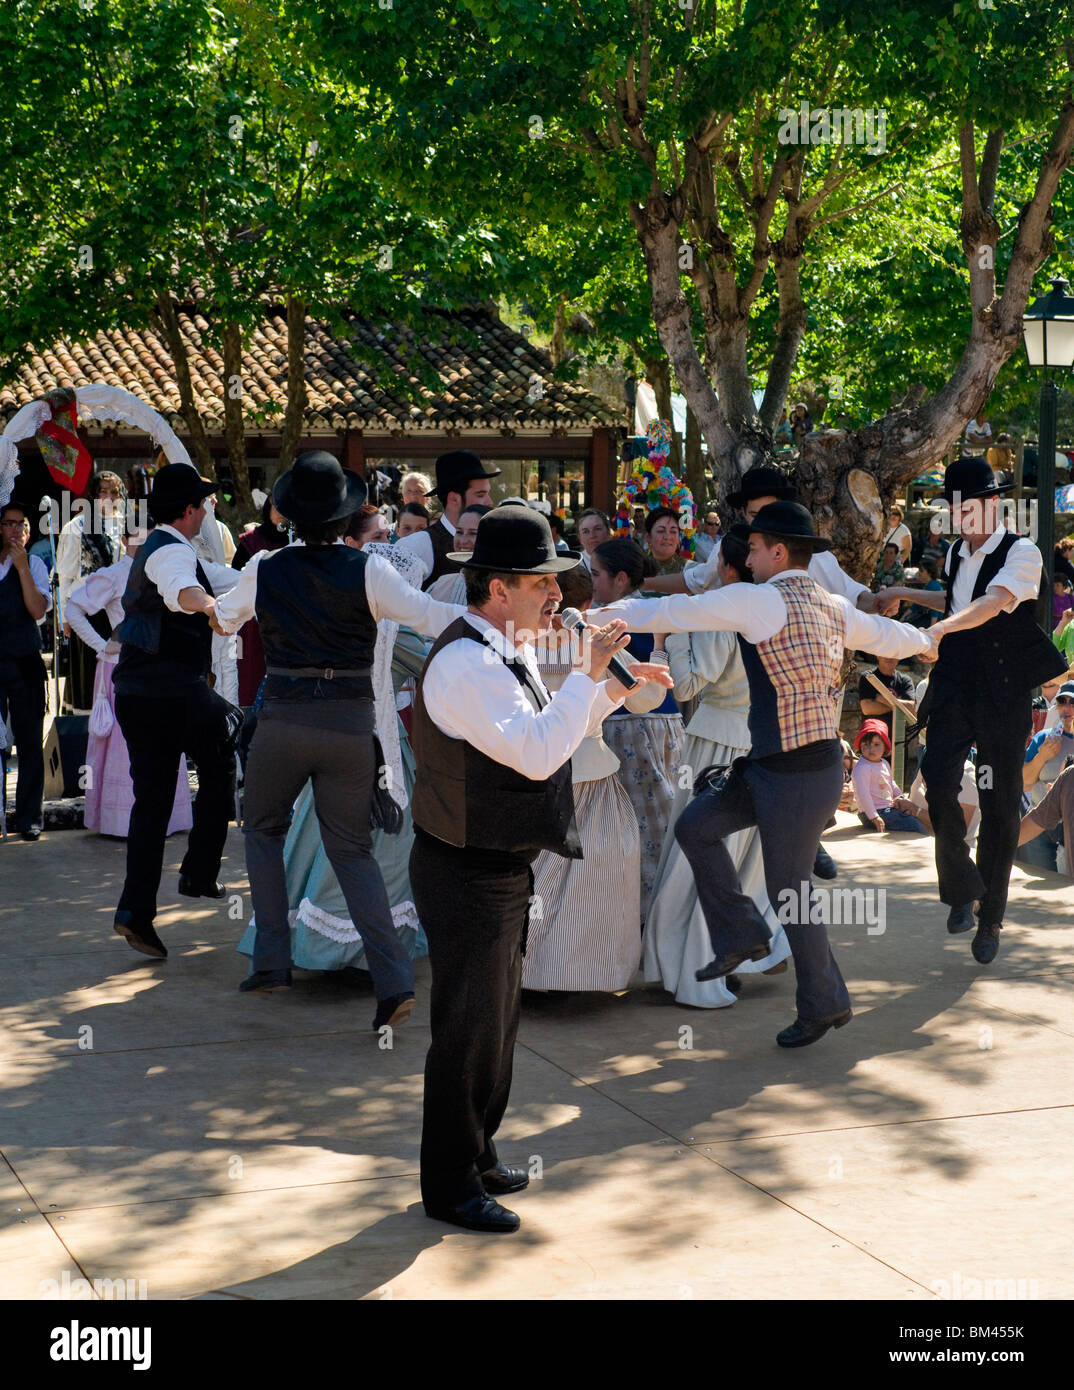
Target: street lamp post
{"x":1048,"y":325}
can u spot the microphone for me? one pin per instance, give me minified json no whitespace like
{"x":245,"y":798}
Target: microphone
{"x":573,"y":621}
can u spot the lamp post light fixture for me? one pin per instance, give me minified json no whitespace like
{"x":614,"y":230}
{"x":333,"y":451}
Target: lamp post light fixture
{"x":1048,"y":325}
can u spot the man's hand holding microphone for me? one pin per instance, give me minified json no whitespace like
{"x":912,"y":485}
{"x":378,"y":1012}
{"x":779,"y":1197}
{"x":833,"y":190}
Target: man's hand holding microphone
{"x":598,"y":655}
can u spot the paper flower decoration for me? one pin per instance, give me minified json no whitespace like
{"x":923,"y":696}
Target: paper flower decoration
{"x":654,"y":485}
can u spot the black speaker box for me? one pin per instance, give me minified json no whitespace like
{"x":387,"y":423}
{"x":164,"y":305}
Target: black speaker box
{"x":72,"y":735}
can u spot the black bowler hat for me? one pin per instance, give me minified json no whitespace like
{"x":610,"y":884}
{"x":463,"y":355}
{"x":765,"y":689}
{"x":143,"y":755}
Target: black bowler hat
{"x":455,"y":470}
{"x":177,"y":485}
{"x":762,"y":481}
{"x":789,"y":521}
{"x":316,"y":490}
{"x":515,"y":540}
{"x":972,"y":477}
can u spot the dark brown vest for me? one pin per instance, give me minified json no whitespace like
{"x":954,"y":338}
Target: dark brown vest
{"x":442,"y":542}
{"x":465,"y":798}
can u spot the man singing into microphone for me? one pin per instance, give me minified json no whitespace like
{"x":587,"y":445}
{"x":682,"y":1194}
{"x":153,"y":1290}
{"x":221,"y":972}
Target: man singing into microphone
{"x":493,"y":788}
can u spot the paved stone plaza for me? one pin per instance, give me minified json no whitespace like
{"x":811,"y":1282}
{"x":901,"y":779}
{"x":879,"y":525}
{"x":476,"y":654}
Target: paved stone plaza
{"x":159,"y":1127}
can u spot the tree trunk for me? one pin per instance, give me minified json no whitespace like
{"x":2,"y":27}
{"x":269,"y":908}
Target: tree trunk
{"x":557,"y":348}
{"x":659,"y":237}
{"x":165,"y":320}
{"x":695,"y":466}
{"x":295,"y":414}
{"x":234,"y":431}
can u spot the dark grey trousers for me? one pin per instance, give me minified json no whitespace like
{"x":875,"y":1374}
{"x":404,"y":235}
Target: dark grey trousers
{"x":341,"y":766}
{"x":789,"y":810}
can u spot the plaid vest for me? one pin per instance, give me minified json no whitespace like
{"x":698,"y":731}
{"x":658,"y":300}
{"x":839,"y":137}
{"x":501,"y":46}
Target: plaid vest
{"x":794,"y":676}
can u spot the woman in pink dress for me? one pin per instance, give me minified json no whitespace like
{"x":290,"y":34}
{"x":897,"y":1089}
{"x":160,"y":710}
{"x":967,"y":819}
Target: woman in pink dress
{"x":107,"y":776}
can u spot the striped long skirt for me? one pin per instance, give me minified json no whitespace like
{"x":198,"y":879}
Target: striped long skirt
{"x":585,"y":920}
{"x":677,"y":939}
{"x":649,"y":749}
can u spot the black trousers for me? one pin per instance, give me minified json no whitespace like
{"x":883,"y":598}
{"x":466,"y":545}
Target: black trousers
{"x":474,"y":906}
{"x":789,"y":809}
{"x":22,"y":704}
{"x":959,"y":717}
{"x":157,"y":732}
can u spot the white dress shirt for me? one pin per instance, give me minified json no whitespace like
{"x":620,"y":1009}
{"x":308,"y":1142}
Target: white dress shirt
{"x":386,"y":591}
{"x":38,"y":573}
{"x":69,"y":553}
{"x":1020,"y":574}
{"x":100,"y":592}
{"x":420,"y":544}
{"x":758,"y":612}
{"x":173,"y":568}
{"x":470,"y":694}
{"x":823,"y":567}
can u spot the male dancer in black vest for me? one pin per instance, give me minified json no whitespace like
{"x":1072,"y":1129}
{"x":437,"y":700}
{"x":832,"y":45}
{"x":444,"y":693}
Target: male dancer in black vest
{"x":991,"y":656}
{"x":493,"y":788}
{"x":24,"y":601}
{"x":165,"y":706}
{"x":317,"y":604}
{"x":461,"y":481}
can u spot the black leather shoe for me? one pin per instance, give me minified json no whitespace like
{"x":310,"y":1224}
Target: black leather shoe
{"x":985,"y":945}
{"x":733,"y":983}
{"x":191,"y":889}
{"x":500,"y":1180}
{"x":32,"y":832}
{"x":728,"y":964}
{"x":394,"y":1010}
{"x":824,"y":865}
{"x":802,"y":1032}
{"x":266,"y":981}
{"x":478,"y":1214}
{"x":960,"y":919}
{"x":140,"y":938}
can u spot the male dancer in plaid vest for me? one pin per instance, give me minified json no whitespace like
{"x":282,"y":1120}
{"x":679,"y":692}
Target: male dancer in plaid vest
{"x":792,"y":634}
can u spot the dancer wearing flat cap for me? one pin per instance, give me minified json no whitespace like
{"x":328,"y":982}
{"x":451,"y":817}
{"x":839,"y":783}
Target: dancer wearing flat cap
{"x":792,"y":634}
{"x":493,"y":789}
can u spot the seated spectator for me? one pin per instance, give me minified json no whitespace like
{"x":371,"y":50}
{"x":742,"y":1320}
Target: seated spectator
{"x":412,"y":517}
{"x":889,"y":569}
{"x":917,"y":614}
{"x":1053,"y":817}
{"x":898,"y":534}
{"x":978,"y":433}
{"x":1045,"y":758}
{"x":801,"y":422}
{"x":936,"y":544}
{"x":847,"y":800}
{"x":898,"y":682}
{"x":1001,"y":459}
{"x":881,"y":804}
{"x":1061,"y":600}
{"x":556,"y":523}
{"x":1063,"y":637}
{"x":784,"y":433}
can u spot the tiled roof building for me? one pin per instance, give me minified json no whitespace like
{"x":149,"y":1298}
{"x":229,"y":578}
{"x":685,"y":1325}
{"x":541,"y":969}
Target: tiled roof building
{"x":375,"y":390}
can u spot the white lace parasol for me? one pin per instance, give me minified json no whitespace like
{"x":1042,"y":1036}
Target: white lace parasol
{"x":413,"y":571}
{"x":99,"y":401}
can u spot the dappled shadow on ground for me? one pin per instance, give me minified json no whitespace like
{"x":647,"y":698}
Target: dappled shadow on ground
{"x":199,"y":1116}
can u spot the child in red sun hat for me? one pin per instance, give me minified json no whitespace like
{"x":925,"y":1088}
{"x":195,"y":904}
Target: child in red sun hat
{"x":881,"y":804}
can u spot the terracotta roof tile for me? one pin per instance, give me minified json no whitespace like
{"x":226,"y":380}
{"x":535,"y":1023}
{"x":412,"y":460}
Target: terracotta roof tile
{"x":485,"y":376}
